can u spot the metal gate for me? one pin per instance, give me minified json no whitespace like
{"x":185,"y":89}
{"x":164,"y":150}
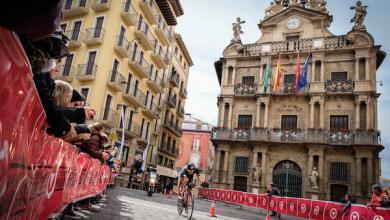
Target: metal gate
{"x":287,"y":177}
{"x":240,"y":183}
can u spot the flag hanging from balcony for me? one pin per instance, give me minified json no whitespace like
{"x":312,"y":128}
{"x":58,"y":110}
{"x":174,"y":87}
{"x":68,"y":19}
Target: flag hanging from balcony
{"x":297,"y":74}
{"x":303,"y":77}
{"x":278,"y":75}
{"x":267,"y":73}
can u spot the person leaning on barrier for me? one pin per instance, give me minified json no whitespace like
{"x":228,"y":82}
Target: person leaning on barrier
{"x":347,"y":200}
{"x":378,"y":196}
{"x":95,"y":145}
{"x":273,"y":191}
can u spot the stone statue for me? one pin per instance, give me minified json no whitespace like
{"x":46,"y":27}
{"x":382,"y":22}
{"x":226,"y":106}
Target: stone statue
{"x":360,"y":14}
{"x":274,"y":8}
{"x":237,"y":30}
{"x":317,"y":4}
{"x":256,"y":175}
{"x":314,"y":178}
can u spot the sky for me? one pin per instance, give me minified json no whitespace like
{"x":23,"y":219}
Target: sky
{"x":206,"y":28}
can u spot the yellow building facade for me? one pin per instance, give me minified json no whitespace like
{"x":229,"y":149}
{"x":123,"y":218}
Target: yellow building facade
{"x":126,"y":57}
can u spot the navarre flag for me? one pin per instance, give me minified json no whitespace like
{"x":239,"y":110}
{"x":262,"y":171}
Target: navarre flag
{"x":267,"y":74}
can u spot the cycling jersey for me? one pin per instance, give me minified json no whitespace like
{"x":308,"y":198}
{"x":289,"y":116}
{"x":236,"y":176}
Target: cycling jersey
{"x":184,"y":172}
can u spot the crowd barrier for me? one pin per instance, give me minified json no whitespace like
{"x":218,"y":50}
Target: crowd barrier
{"x":39,"y":174}
{"x":304,"y":208}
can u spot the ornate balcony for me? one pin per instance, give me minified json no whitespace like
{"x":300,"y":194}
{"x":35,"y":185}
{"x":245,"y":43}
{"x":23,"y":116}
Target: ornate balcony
{"x":245,"y":89}
{"x":299,"y":136}
{"x":289,"y":88}
{"x":171,"y":126}
{"x":122,"y":46}
{"x":129,"y":14}
{"x":75,"y":37}
{"x":75,"y":8}
{"x":101,"y":5}
{"x":154,"y":82}
{"x":174,"y":80}
{"x":86,"y":72}
{"x":339,"y":87}
{"x":180,"y":111}
{"x":150,"y":111}
{"x":171,"y":102}
{"x":139,"y":64}
{"x":183,"y":92}
{"x":133,"y":130}
{"x":148,"y":8}
{"x":66,"y":73}
{"x":160,"y":106}
{"x":107,"y":117}
{"x":116,"y":81}
{"x":142,"y":33}
{"x":160,"y":57}
{"x":363,"y":86}
{"x":163,"y":32}
{"x":94,"y":36}
{"x":134,"y":96}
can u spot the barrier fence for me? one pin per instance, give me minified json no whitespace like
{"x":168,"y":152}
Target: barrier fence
{"x":39,"y":174}
{"x":304,"y":208}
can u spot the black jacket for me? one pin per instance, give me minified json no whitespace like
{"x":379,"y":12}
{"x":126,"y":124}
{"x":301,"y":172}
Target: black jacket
{"x":274,"y":192}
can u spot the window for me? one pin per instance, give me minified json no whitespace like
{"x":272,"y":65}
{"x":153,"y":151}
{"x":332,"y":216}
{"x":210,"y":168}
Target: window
{"x":151,"y":102}
{"x":241,"y":165}
{"x":339,"y":171}
{"x":107,"y":107}
{"x":127,"y":6}
{"x":142,"y":128}
{"x":128,"y":83}
{"x":82,"y":3}
{"x":76,"y":31}
{"x":289,"y":122}
{"x":147,"y":131}
{"x":130,"y":122}
{"x":122,"y":34}
{"x":146,"y":103}
{"x":135,"y":92}
{"x":68,"y":4}
{"x":176,"y":50}
{"x":339,"y":76}
{"x":289,"y":78}
{"x":68,"y":65}
{"x":362,"y":69}
{"x":339,"y":122}
{"x":244,"y":121}
{"x":91,"y":63}
{"x":114,"y":70}
{"x":63,"y":27}
{"x":248,"y":80}
{"x":134,"y":52}
{"x":230,"y":75}
{"x":98,"y":27}
{"x":125,"y":154}
{"x":292,"y":38}
{"x":198,"y":127}
{"x":84,"y":92}
{"x":122,"y":117}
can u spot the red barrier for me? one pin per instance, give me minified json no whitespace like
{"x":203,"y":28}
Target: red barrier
{"x":39,"y":174}
{"x":304,"y":208}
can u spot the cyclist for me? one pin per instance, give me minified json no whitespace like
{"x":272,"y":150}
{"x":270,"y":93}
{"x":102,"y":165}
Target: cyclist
{"x":186,"y":176}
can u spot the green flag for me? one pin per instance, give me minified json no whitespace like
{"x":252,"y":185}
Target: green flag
{"x":266,"y":77}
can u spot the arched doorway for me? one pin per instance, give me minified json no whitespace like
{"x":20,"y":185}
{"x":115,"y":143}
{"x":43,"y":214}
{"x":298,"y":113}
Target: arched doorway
{"x":287,"y":177}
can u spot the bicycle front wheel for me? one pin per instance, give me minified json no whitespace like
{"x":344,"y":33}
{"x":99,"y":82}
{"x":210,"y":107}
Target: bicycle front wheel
{"x":190,"y":205}
{"x":179,"y":206}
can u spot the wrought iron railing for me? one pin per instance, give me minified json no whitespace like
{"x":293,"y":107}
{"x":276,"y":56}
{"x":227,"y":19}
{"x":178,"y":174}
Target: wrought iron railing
{"x":245,"y":89}
{"x":339,"y":86}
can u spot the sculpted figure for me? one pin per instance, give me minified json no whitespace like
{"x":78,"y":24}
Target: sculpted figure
{"x":360,"y":14}
{"x":314,"y":178}
{"x":237,"y":30}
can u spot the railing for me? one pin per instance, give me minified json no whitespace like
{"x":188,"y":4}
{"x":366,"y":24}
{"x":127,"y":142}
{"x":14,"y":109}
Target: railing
{"x":107,"y":116}
{"x":66,"y":71}
{"x":245,"y":89}
{"x":123,"y":43}
{"x":164,"y":27}
{"x":69,"y":5}
{"x":117,"y":78}
{"x":88,"y":69}
{"x":183,"y":91}
{"x":94,"y":33}
{"x":172,"y":100}
{"x":339,"y":86}
{"x":175,"y":78}
{"x":153,"y":76}
{"x":173,"y":126}
{"x":289,"y":88}
{"x":134,"y":128}
{"x":298,"y":136}
{"x":158,"y":49}
{"x":74,"y":35}
{"x":144,"y":28}
{"x":136,"y":57}
{"x":327,"y":43}
{"x":136,"y":93}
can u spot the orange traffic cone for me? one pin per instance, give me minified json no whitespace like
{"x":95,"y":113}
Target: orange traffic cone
{"x":170,"y":194}
{"x":212,"y":210}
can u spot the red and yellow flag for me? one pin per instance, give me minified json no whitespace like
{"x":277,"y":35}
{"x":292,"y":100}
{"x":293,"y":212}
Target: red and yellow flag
{"x":297,"y":75}
{"x":278,"y":75}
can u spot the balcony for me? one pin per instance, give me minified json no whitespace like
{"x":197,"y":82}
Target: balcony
{"x":139,"y":64}
{"x":143,"y":35}
{"x":116,"y":81}
{"x":133,"y":130}
{"x":339,"y":87}
{"x":148,"y":8}
{"x":134,"y":96}
{"x":302,"y":45}
{"x":174,"y":80}
{"x":299,"y":136}
{"x":65,"y":73}
{"x":163,"y":32}
{"x":75,"y":37}
{"x":183,"y":92}
{"x":160,"y":57}
{"x":363,"y":86}
{"x":129,"y":14}
{"x":154,"y":82}
{"x":180,"y":112}
{"x":317,"y":87}
{"x":122,"y":46}
{"x":86,"y":72}
{"x":171,"y":102}
{"x":150,"y":111}
{"x":245,"y":89}
{"x":287,"y":89}
{"x":170,"y":125}
{"x":168,"y":149}
{"x":160,"y":106}
{"x":94,"y":36}
{"x":75,"y":8}
{"x":157,"y":130}
{"x":101,"y":5}
{"x":107,"y":117}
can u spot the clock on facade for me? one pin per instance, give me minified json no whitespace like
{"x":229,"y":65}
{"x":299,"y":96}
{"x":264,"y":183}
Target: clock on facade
{"x":293,"y":23}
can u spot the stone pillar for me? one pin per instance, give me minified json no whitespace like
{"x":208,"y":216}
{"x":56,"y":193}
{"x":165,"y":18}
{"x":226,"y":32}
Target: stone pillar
{"x":375,"y":114}
{"x":367,"y":68}
{"x":261,"y":74}
{"x":368,"y":114}
{"x":358,"y":176}
{"x":254,"y":161}
{"x":321,"y":172}
{"x":225,"y":167}
{"x":217,"y":165}
{"x":222,"y":116}
{"x":322,"y":114}
{"x":313,"y":71}
{"x":264,"y":155}
{"x":322,"y":70}
{"x":312,"y":114}
{"x":230,"y":115}
{"x":357,"y":68}
{"x":370,"y":174}
{"x":310,"y":164}
{"x":258,"y":104}
{"x":266,"y":115}
{"x":234,"y":75}
{"x":357,"y":115}
{"x":225,"y":76}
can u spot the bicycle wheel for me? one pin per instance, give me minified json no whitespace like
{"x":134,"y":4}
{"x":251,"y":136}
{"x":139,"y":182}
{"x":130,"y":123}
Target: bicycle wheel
{"x":179,"y":206}
{"x":189,"y":205}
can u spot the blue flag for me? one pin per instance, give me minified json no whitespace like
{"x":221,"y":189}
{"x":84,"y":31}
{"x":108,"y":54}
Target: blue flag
{"x":303,"y":77}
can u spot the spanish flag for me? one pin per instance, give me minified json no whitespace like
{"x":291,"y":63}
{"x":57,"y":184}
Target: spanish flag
{"x":297,"y":75}
{"x":278,"y":75}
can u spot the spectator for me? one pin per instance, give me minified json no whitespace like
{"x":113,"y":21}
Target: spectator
{"x":386,"y":199}
{"x":378,"y":196}
{"x":77,"y":99}
{"x":62,"y":93}
{"x":347,"y":201}
{"x":95,"y":145}
{"x":273,"y":191}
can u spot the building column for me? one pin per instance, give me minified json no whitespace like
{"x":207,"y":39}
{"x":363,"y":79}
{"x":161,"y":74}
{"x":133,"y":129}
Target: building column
{"x":310,"y":165}
{"x":321,"y":172}
{"x":322,"y":70}
{"x":266,"y":115}
{"x":261,"y":74}
{"x":369,"y":175}
{"x":322,"y":114}
{"x":313,"y":71}
{"x":254,"y":161}
{"x":375,"y":114}
{"x":367,"y":68}
{"x":217,"y":165}
{"x":222,"y":116}
{"x":258,"y":104}
{"x":357,"y":115}
{"x":312,"y":114}
{"x":263,"y":165}
{"x":230,"y":115}
{"x":234,"y":76}
{"x":368,"y":114}
{"x":357,"y":68}
{"x":225,"y":167}
{"x":358,"y":176}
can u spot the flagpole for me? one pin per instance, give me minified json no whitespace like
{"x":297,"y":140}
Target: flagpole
{"x":119,"y":156}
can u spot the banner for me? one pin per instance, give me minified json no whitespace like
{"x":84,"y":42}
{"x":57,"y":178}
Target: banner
{"x":39,"y":174}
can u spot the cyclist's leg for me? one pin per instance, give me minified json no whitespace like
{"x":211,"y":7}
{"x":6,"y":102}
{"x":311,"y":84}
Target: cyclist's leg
{"x":179,"y":185}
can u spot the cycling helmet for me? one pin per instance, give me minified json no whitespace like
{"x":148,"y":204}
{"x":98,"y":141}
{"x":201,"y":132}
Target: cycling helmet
{"x":190,"y":166}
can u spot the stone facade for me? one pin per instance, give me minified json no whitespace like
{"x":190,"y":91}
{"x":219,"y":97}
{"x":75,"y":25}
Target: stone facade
{"x":316,"y":158}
